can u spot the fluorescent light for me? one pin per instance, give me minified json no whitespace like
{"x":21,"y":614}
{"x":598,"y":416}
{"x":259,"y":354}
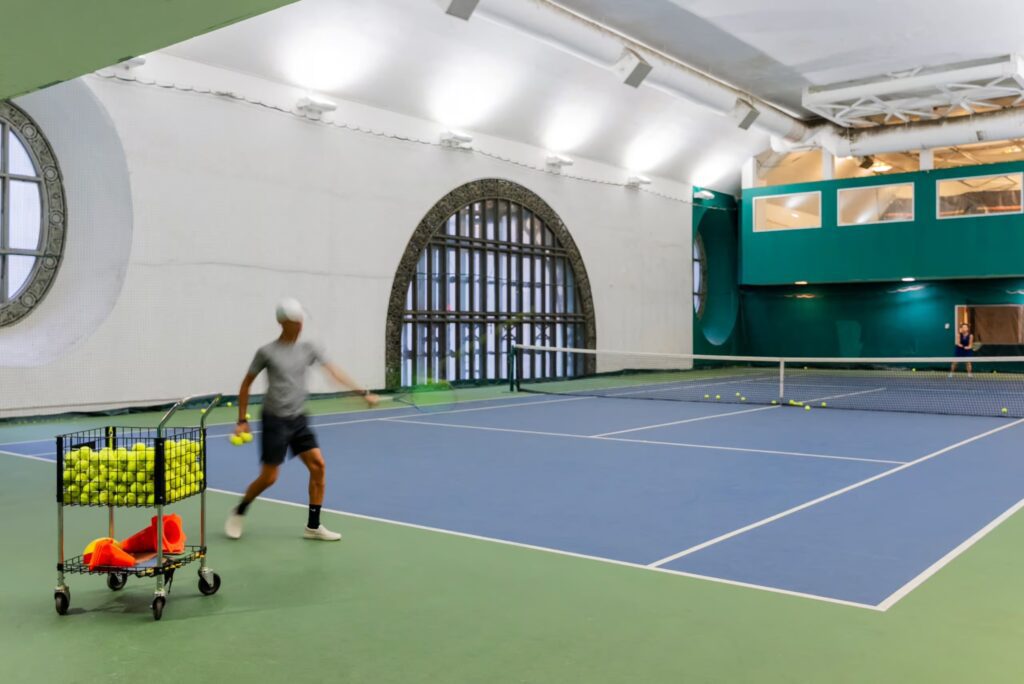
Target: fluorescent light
{"x":703,"y":195}
{"x":557,"y":161}
{"x":880,"y":167}
{"x":637,"y":180}
{"x":457,"y":140}
{"x":908,"y":279}
{"x":794,"y":214}
{"x":800,"y":282}
{"x":317,"y":106}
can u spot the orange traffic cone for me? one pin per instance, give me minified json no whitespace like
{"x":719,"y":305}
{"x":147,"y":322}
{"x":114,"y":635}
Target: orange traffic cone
{"x":87,"y":554}
{"x":145,"y":539}
{"x":107,"y":553}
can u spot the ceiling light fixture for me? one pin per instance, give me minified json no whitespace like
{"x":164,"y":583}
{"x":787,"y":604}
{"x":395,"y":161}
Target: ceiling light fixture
{"x":637,"y":180}
{"x":463,"y":9}
{"x":556,"y":162}
{"x":314,"y":106}
{"x":908,"y":279}
{"x":703,"y":195}
{"x":800,"y":282}
{"x":632,"y":68}
{"x":455,"y":140}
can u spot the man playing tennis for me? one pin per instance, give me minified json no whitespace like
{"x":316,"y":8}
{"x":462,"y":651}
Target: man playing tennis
{"x":285,"y":425}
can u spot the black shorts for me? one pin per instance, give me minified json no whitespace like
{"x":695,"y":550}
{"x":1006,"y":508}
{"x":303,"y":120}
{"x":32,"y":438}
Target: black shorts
{"x":282,"y":434}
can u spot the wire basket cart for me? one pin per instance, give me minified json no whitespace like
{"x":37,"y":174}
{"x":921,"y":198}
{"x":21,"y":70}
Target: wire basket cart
{"x":131,"y":467}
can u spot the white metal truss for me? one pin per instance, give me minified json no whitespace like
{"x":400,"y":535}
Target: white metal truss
{"x":922,"y":93}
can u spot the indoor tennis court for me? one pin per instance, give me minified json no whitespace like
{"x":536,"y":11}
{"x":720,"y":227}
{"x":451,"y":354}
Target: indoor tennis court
{"x":511,"y":341}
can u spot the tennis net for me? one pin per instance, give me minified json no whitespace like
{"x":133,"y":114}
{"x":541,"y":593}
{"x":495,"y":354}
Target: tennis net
{"x":994,"y":387}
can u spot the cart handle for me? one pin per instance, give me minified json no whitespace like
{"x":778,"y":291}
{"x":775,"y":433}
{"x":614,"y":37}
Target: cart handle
{"x":214,"y":400}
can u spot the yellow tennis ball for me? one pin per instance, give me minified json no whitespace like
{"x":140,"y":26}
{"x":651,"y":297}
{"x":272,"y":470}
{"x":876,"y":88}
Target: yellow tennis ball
{"x":248,"y":416}
{"x":823,"y":404}
{"x":236,"y":440}
{"x":737,"y":394}
{"x":774,"y":402}
{"x":1003,"y":410}
{"x":229,"y":404}
{"x":718,"y":396}
{"x":246,"y":437}
{"x":807,"y":408}
{"x":707,"y":396}
{"x":743,"y":398}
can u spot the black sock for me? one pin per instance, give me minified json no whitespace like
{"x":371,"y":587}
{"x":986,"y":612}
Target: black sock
{"x":242,"y":505}
{"x":314,"y":517}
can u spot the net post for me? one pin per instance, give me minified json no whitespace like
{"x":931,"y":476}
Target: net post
{"x":519,"y":367}
{"x":511,"y":360}
{"x":782,"y":378}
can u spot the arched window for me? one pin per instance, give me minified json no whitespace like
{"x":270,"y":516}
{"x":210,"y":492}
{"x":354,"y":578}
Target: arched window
{"x":490,"y":265}
{"x":32,"y":215}
{"x":700,"y":286}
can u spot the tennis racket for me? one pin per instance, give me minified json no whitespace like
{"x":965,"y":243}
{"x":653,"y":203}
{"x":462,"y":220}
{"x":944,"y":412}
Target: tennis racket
{"x":429,"y":397}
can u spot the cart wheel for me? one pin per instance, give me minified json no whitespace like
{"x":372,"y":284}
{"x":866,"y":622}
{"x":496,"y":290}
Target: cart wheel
{"x":158,"y":607}
{"x":61,"y":601}
{"x":207,"y":589}
{"x":117,"y":580}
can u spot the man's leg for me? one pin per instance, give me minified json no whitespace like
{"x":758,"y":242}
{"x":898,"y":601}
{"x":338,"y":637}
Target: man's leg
{"x":314,"y":461}
{"x":267,"y":477}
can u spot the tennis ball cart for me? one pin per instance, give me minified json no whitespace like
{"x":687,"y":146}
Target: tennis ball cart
{"x":131,"y":467}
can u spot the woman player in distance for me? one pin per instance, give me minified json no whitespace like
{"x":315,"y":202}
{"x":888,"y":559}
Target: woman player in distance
{"x":964,"y":347}
{"x":285,"y":424}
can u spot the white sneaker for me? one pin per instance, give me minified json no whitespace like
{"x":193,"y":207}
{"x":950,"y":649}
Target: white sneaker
{"x":233,"y":525}
{"x":321,"y":533}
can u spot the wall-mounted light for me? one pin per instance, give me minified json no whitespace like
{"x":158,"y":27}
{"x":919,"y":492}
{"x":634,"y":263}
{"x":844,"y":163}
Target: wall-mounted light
{"x":637,"y":180}
{"x":800,"y":282}
{"x":315,"y":106}
{"x":908,"y":279}
{"x":703,"y":195}
{"x":555,"y":162}
{"x":455,"y":140}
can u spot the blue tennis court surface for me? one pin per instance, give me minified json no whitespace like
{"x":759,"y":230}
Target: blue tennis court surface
{"x":849,"y":506}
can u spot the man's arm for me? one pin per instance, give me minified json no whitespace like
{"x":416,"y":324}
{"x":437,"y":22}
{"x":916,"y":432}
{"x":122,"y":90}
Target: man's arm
{"x":345,"y":380}
{"x":243,"y":403}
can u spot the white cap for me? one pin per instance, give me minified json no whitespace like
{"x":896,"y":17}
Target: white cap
{"x":290,"y":310}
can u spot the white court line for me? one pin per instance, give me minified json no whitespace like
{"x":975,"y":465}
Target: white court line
{"x":32,"y":458}
{"x":679,"y":384}
{"x":848,"y":394}
{"x":687,"y":420}
{"x":522,"y":402}
{"x":561,"y":552}
{"x":641,"y":441}
{"x":913,"y":584}
{"x":831,"y":495}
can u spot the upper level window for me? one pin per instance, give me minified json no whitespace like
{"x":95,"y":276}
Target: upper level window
{"x":787,"y":212}
{"x":699,"y":276}
{"x":980,"y":195}
{"x":32,"y":215}
{"x":876,"y":204}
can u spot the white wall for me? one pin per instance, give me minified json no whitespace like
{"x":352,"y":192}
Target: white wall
{"x":235,"y":205}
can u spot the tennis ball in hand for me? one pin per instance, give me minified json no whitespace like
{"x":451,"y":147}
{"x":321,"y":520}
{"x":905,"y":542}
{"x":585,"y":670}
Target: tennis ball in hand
{"x":236,"y":440}
{"x":246,"y":437}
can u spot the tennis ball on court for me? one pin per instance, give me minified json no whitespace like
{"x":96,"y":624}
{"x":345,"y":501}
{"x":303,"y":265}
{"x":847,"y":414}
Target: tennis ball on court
{"x":774,"y":402}
{"x":913,"y":370}
{"x":737,"y":394}
{"x":718,"y":396}
{"x":707,"y":396}
{"x":246,"y":437}
{"x":792,"y":403}
{"x":807,"y":408}
{"x":129,"y":499}
{"x":1003,"y":411}
{"x":229,"y":404}
{"x":823,"y":404}
{"x":743,"y":398}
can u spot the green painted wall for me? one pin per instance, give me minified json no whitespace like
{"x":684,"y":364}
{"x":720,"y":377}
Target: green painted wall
{"x":865,"y":319}
{"x":716,"y":331}
{"x":925,"y":248}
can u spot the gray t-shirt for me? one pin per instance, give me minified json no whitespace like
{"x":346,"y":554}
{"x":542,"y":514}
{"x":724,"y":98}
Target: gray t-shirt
{"x":286,"y":366}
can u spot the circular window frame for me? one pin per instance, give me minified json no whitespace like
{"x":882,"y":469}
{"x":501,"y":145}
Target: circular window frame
{"x":700,"y":293}
{"x":53,"y":215}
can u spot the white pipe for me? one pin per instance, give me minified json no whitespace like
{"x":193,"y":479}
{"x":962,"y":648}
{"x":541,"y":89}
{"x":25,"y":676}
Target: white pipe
{"x":561,"y":28}
{"x":1001,"y":125}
